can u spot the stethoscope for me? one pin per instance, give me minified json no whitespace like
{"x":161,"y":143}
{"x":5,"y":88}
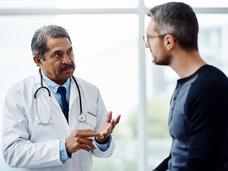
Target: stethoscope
{"x":81,"y":117}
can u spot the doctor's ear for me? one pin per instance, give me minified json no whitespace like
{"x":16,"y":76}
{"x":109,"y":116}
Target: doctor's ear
{"x":38,"y":61}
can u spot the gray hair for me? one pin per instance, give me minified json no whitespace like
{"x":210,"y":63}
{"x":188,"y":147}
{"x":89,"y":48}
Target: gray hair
{"x":179,"y":20}
{"x":39,"y":40}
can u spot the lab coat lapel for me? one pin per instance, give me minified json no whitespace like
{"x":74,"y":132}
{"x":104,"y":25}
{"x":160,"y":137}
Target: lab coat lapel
{"x":54,"y":102}
{"x":73,"y":93}
{"x":37,"y":81}
{"x":74,"y":108}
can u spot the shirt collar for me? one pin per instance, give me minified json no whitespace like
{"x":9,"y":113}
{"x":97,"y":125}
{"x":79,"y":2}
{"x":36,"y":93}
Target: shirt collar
{"x":53,"y":85}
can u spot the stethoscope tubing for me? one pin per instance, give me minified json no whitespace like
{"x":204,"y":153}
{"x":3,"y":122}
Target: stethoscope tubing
{"x":49,"y":93}
{"x":79,"y":94}
{"x":42,"y":86}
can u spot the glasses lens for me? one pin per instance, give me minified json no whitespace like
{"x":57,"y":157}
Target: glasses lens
{"x":145,"y":38}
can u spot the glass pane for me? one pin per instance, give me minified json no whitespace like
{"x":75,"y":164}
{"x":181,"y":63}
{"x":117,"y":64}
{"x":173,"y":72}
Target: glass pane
{"x":161,"y":82}
{"x":68,"y":3}
{"x":213,"y":39}
{"x":193,"y":3}
{"x":106,"y":55}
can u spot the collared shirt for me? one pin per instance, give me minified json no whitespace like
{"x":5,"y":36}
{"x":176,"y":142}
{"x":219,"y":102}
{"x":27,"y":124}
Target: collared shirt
{"x":54,"y":87}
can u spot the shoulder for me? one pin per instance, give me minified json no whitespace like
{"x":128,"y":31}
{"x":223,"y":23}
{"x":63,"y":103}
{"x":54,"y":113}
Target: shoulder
{"x":20,"y":88}
{"x":87,"y":86}
{"x":85,"y":83}
{"x":208,"y":93}
{"x":210,"y":79}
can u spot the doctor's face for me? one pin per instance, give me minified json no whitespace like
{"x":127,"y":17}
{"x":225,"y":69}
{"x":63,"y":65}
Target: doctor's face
{"x":58,"y":64}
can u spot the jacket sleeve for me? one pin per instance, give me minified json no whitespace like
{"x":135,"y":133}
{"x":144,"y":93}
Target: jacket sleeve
{"x":17,"y":148}
{"x":101,"y":116}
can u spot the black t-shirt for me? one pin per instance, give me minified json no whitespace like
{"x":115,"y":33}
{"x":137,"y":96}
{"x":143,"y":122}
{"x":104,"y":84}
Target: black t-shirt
{"x":198,"y":123}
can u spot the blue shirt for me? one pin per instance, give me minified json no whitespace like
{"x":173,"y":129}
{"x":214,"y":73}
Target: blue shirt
{"x":53,"y":87}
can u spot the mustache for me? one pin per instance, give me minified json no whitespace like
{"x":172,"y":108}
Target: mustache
{"x":66,"y":66}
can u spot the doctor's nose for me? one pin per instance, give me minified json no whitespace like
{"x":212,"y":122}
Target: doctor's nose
{"x":67,"y":59}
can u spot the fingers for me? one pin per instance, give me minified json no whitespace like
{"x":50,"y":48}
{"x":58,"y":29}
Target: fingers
{"x":101,"y":136}
{"x":86,"y":133}
{"x":112,"y":124}
{"x":86,"y":147}
{"x":86,"y":141}
{"x":86,"y":144}
{"x":109,"y":116}
{"x":117,"y":119}
{"x":81,"y":139}
{"x":108,"y":127}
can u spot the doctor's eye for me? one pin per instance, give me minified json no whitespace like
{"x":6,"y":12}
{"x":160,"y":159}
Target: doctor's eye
{"x":70,"y":52}
{"x":58,"y":54}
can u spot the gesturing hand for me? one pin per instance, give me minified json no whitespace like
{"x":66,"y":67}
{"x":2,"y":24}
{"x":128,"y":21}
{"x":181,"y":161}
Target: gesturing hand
{"x":81,"y":139}
{"x":107,"y":128}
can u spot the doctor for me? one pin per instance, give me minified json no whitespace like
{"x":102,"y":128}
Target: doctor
{"x":53,"y":121}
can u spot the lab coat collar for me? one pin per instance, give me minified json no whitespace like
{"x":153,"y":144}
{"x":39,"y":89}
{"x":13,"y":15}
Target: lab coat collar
{"x":53,"y":85}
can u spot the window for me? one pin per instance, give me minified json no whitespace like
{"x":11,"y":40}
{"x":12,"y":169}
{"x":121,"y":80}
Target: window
{"x":68,"y":4}
{"x":193,"y":3}
{"x":109,"y":53}
{"x":101,"y":47}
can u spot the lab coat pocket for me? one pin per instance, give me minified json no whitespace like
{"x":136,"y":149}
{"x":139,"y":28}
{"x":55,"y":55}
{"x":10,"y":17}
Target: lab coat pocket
{"x":91,"y":119}
{"x":90,"y":122}
{"x":43,"y":108}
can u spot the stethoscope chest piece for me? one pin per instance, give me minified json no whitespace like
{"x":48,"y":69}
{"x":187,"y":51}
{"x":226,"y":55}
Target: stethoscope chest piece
{"x":81,"y":117}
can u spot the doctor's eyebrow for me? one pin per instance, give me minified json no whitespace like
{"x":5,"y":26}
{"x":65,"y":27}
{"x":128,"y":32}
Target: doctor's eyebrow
{"x":57,"y":53}
{"x":60,"y":53}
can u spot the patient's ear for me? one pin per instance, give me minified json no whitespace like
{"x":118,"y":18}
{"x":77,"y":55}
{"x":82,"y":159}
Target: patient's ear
{"x":169,"y":41}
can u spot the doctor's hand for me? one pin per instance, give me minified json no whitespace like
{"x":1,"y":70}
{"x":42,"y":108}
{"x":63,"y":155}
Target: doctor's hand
{"x":81,"y":139}
{"x":107,"y":128}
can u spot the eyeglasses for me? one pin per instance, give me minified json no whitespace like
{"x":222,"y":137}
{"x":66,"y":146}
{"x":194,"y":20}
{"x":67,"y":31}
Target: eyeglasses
{"x":147,"y":37}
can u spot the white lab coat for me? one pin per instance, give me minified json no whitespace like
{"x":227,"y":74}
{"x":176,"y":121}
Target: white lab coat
{"x":32,"y":128}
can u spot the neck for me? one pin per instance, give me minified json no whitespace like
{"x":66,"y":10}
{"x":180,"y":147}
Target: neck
{"x":57,"y":81}
{"x":185,"y":63}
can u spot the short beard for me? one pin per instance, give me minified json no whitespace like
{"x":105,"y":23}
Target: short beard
{"x":164,"y":61}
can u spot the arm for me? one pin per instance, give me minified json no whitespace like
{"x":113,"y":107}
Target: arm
{"x":18,"y":149}
{"x":208,"y":125}
{"x":105,"y":126}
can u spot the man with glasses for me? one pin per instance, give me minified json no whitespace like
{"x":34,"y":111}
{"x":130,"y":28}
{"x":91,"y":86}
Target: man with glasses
{"x":198,"y":117}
